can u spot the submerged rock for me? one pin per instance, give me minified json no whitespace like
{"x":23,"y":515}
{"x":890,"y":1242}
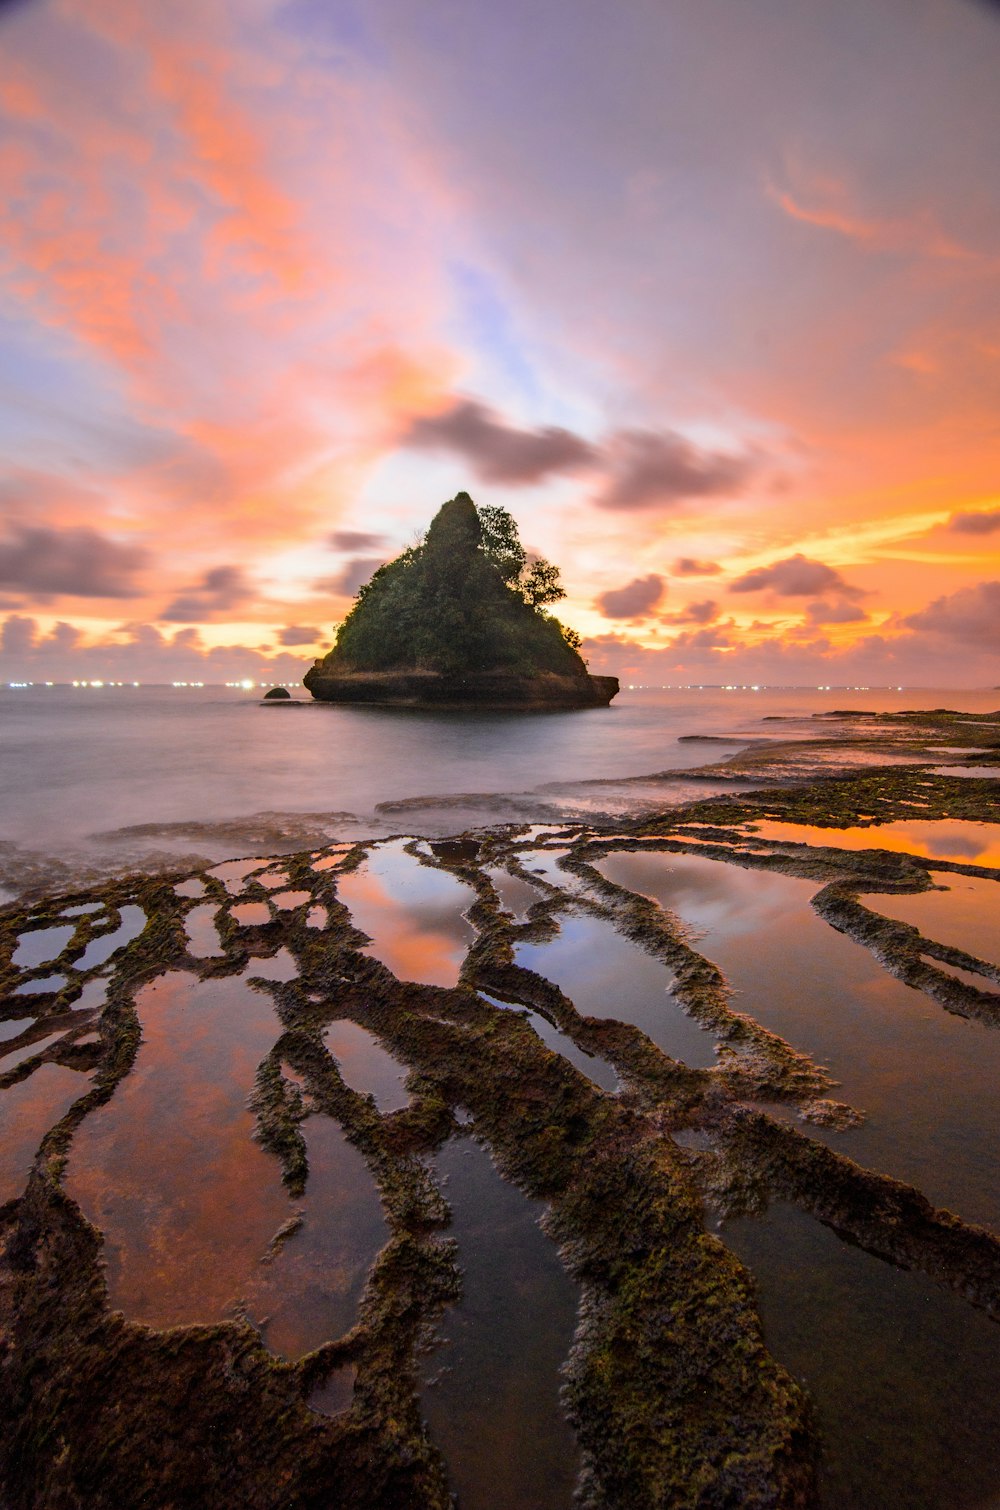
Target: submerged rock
{"x":459,"y":621}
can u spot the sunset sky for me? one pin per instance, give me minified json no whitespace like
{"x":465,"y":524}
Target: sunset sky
{"x":705,"y":292}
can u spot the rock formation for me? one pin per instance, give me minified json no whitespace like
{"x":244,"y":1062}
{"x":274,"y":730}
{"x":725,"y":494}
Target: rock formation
{"x":459,"y":621}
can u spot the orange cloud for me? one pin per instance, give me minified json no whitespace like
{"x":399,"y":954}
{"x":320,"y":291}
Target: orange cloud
{"x":826,"y":203}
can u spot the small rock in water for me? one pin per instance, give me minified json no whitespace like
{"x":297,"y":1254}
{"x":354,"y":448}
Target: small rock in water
{"x":831,"y":1114}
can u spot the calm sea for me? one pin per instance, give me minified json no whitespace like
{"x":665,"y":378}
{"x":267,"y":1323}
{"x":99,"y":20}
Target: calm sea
{"x":96,"y":779}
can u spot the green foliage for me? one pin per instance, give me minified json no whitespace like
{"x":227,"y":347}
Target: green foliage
{"x":464,"y":599}
{"x":537,"y":581}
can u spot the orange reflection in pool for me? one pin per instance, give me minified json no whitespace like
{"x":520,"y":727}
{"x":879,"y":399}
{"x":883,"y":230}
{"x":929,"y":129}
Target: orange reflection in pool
{"x":948,"y":839}
{"x":412,"y":913}
{"x":168,"y":1169}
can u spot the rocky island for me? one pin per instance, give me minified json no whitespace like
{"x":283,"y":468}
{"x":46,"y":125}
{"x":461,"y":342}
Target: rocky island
{"x":459,"y":621}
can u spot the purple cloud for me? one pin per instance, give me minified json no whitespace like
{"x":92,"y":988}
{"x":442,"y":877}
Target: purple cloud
{"x":796,"y":577}
{"x":221,"y":589}
{"x":973,"y":522}
{"x":355,"y":540}
{"x":972,"y":614}
{"x":839,"y":611}
{"x":702,"y":612}
{"x":498,"y":452}
{"x":354,"y":574}
{"x":688,"y":566}
{"x":632,"y":601}
{"x":650,"y":469}
{"x":79,"y":563}
{"x":298,"y":634}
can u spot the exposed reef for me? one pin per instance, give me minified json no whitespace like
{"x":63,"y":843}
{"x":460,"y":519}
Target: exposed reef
{"x":670,"y":1388}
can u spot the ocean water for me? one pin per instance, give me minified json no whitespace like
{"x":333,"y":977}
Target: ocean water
{"x":93,"y":779}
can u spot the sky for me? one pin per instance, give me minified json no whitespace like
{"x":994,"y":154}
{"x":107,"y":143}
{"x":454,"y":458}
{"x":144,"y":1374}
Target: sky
{"x":706,"y":293}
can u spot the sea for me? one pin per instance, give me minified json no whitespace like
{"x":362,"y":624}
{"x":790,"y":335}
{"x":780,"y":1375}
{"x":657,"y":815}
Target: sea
{"x":96,"y":779}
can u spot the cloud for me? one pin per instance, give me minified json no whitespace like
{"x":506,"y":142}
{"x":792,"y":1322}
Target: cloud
{"x":795,"y":577}
{"x":972,"y":614}
{"x":975,"y":522}
{"x":498,"y":452}
{"x":839,"y":611}
{"x":634,"y":600}
{"x":650,"y":469}
{"x":354,"y":574}
{"x":298,"y":634}
{"x":355,"y":540}
{"x":133,"y":652}
{"x":715,"y":637}
{"x":73,"y":562}
{"x":702,"y":612}
{"x":221,"y":589}
{"x":688,"y":566}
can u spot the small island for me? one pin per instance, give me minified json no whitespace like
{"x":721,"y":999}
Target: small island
{"x":459,"y":620}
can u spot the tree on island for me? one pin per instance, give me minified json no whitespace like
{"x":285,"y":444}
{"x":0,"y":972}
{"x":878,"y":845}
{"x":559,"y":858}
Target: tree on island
{"x":465,"y":599}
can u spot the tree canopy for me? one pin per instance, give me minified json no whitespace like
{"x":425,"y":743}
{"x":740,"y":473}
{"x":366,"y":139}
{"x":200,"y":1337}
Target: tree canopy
{"x":466,"y":598}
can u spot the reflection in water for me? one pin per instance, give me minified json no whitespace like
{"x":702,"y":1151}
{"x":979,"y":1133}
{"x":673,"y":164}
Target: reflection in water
{"x":966,"y":915}
{"x":278,"y":966}
{"x":203,"y":936}
{"x":168,"y":1169}
{"x":233,"y":874}
{"x":596,"y":1069}
{"x":13,"y":1026}
{"x":926,"y":1078}
{"x":40,"y":987}
{"x":494,"y":1411}
{"x":41,"y":946}
{"x":191,"y":888}
{"x":605,"y":975}
{"x":545,"y":863}
{"x":310,"y":1291}
{"x":516,"y":896}
{"x":99,"y":950}
{"x":27,"y":1111}
{"x":366,"y":1066}
{"x":288,"y":899}
{"x":92,"y":996}
{"x":981,"y":772}
{"x":947,"y":839}
{"x":317,"y":917}
{"x":11,"y":1059}
{"x":250,"y":914}
{"x":897,"y":1366}
{"x":334,"y":1397}
{"x":412,"y":914}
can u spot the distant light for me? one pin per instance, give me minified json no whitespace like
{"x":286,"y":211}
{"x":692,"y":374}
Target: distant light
{"x":247,"y":685}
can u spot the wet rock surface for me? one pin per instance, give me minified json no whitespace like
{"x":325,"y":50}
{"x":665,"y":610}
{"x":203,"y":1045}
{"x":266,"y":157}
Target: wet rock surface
{"x":354,"y":1068}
